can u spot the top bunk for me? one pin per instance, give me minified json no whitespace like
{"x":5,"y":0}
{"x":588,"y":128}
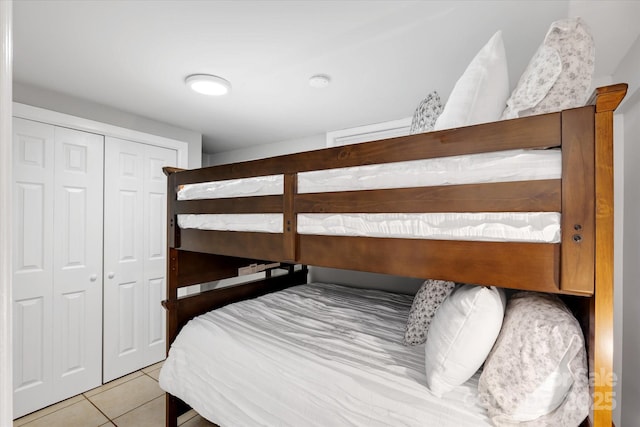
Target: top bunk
{"x":261,"y":224}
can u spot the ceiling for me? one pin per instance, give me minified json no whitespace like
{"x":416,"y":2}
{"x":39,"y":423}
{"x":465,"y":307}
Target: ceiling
{"x":383,"y":56}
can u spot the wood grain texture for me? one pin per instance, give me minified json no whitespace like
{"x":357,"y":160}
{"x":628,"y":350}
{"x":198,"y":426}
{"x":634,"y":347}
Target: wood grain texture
{"x":532,"y":266}
{"x":527,"y":196}
{"x":530,"y":132}
{"x":267,"y":246}
{"x":602,"y":303}
{"x":578,"y":201}
{"x":239,"y":205}
{"x":290,"y":226}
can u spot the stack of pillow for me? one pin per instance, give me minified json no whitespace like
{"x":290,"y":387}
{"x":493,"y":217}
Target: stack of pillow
{"x":535,"y":369}
{"x":532,"y":348}
{"x":557,"y":77}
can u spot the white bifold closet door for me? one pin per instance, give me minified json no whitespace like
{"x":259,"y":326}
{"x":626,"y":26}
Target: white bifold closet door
{"x":134,"y":261}
{"x":57,"y":263}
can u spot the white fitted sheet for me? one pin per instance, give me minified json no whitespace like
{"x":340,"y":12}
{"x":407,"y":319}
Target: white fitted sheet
{"x":312,"y":355}
{"x":500,"y":166}
{"x":263,"y":223}
{"x":244,"y":187}
{"x":536,"y":227}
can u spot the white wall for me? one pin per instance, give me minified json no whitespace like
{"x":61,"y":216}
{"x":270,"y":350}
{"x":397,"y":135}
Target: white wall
{"x":629,"y":72}
{"x":309,"y":143}
{"x":62,"y":103}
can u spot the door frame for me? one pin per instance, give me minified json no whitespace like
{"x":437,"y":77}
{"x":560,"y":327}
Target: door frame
{"x":38,"y":114}
{"x":6,"y":96}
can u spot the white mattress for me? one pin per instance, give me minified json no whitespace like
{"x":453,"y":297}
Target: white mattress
{"x":313,"y":355}
{"x":503,"y":166}
{"x":500,"y":166}
{"x":536,"y":227}
{"x":244,"y":187}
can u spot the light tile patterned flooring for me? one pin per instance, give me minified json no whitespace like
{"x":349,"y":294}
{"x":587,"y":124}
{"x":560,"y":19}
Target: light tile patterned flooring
{"x":135,"y":400}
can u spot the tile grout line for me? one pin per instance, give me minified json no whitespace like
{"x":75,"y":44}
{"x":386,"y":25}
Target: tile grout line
{"x":99,"y":410}
{"x":48,"y":413}
{"x":83,"y":396}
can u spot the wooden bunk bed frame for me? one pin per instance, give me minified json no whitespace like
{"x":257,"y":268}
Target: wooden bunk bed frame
{"x":580,"y":267}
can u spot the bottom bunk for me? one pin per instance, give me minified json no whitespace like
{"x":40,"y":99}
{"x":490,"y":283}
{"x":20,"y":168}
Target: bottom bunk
{"x":321,"y":354}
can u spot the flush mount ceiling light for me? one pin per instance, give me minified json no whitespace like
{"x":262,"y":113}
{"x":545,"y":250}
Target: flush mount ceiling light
{"x":208,"y":84}
{"x":319,"y":81}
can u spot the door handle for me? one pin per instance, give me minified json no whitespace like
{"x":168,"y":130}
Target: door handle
{"x":93,"y":277}
{"x":111,"y":275}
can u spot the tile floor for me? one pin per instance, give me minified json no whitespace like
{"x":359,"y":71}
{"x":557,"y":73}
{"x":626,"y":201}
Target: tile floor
{"x":135,"y":400}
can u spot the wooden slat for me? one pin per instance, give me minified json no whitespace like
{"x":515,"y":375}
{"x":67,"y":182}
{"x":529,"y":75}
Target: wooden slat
{"x":527,"y":196}
{"x":257,"y":204}
{"x":197,"y":267}
{"x":191,"y":306}
{"x":578,"y":201}
{"x":529,"y":132}
{"x":533,"y":266}
{"x":266,"y":246}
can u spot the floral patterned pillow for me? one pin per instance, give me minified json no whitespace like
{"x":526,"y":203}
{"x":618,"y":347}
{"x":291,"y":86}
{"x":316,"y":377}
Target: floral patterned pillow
{"x":536,"y":373}
{"x":431,"y":294}
{"x":426,"y":114}
{"x":559,"y":74}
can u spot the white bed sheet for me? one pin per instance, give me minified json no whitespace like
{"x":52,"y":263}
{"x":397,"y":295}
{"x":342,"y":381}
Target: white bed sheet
{"x":313,"y":355}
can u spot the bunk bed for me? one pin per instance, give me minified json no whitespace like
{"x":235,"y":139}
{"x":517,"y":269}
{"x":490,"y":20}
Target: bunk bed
{"x":577,"y":264}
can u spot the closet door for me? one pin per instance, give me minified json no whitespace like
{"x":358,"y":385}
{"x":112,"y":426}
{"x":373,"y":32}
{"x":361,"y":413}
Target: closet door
{"x":77,"y":261}
{"x":135,"y":236}
{"x":33,"y":171}
{"x":57,"y":284}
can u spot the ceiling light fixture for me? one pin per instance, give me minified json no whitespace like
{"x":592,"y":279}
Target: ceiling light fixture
{"x":319,"y":81}
{"x":208,"y":84}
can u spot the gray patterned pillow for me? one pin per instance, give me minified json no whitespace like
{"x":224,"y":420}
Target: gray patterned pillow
{"x":427,"y":300}
{"x":426,"y":114}
{"x":559,"y":74}
{"x":536,"y":373}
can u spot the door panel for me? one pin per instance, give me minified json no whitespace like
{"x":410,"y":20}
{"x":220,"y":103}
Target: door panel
{"x":155,"y":240}
{"x":57,"y":263}
{"x":123,"y":267}
{"x":33,"y":171}
{"x":135,"y":240}
{"x":77,"y":261}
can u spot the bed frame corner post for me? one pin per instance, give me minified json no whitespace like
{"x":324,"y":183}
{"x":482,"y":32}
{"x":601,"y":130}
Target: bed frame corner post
{"x":171,"y":410}
{"x":602,"y":377}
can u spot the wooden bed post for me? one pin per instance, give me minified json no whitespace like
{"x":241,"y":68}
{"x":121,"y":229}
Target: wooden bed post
{"x":602,"y":377}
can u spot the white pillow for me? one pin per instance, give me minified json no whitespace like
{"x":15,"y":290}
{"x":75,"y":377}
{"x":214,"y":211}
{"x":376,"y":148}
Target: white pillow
{"x":461,"y":335}
{"x":481,"y":93}
{"x":536,"y":374}
{"x":559,"y":73}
